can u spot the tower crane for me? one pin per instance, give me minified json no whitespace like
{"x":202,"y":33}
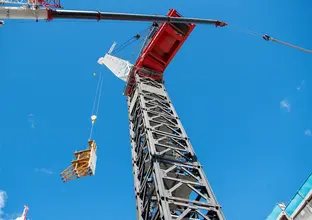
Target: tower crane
{"x":169,"y":181}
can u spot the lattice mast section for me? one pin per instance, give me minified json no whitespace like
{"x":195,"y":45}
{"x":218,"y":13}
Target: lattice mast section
{"x":170,"y":183}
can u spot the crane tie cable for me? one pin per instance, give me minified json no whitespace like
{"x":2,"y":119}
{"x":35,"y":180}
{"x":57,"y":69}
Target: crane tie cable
{"x":141,"y":42}
{"x":126,"y":44}
{"x":268,"y":38}
{"x":129,"y":41}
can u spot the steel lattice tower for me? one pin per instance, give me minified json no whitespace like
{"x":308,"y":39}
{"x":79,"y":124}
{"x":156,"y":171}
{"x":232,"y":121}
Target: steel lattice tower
{"x":170,"y":183}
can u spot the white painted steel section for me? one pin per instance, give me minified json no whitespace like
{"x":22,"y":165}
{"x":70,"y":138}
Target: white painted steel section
{"x":23,"y":13}
{"x":135,"y":96}
{"x":119,"y":67}
{"x":112,"y":48}
{"x":153,"y":89}
{"x":93,"y":161}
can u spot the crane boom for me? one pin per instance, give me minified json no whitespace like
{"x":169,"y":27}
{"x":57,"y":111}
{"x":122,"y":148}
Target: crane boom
{"x":50,"y":14}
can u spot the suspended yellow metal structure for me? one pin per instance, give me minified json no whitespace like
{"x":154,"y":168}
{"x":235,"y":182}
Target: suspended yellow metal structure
{"x":83,"y":165}
{"x":85,"y":160}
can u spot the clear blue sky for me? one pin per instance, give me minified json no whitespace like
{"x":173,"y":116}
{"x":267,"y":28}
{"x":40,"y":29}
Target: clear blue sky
{"x":227,"y":87}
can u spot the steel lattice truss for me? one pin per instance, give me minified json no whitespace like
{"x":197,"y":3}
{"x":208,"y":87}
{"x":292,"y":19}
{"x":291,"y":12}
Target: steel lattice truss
{"x":170,"y":183}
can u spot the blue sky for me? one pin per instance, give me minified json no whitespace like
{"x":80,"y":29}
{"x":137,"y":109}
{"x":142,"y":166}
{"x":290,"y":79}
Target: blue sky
{"x":227,"y":87}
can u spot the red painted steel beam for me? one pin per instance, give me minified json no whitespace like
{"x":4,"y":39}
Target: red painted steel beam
{"x":162,"y":48}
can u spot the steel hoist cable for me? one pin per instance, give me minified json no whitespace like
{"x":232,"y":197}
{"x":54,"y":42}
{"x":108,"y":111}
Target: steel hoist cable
{"x":96,"y":102}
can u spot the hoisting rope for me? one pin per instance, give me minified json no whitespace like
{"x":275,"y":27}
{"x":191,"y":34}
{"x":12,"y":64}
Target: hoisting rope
{"x":268,"y":38}
{"x":96,"y":102}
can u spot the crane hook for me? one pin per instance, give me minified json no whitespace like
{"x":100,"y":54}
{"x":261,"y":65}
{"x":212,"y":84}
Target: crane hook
{"x":93,"y":118}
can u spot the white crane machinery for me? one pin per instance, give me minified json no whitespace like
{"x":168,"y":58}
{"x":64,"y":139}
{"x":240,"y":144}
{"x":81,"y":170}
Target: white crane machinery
{"x":170,"y":183}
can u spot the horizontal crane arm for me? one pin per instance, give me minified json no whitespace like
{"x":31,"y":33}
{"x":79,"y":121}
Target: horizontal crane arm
{"x":129,"y":17}
{"x":49,"y":14}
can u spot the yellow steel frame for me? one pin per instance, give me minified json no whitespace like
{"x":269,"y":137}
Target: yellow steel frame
{"x":81,"y":166}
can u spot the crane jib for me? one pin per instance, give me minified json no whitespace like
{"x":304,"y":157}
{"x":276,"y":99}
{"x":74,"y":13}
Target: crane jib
{"x":49,"y":14}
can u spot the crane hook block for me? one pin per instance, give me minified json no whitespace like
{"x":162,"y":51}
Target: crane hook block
{"x":93,"y":118}
{"x":1,"y":23}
